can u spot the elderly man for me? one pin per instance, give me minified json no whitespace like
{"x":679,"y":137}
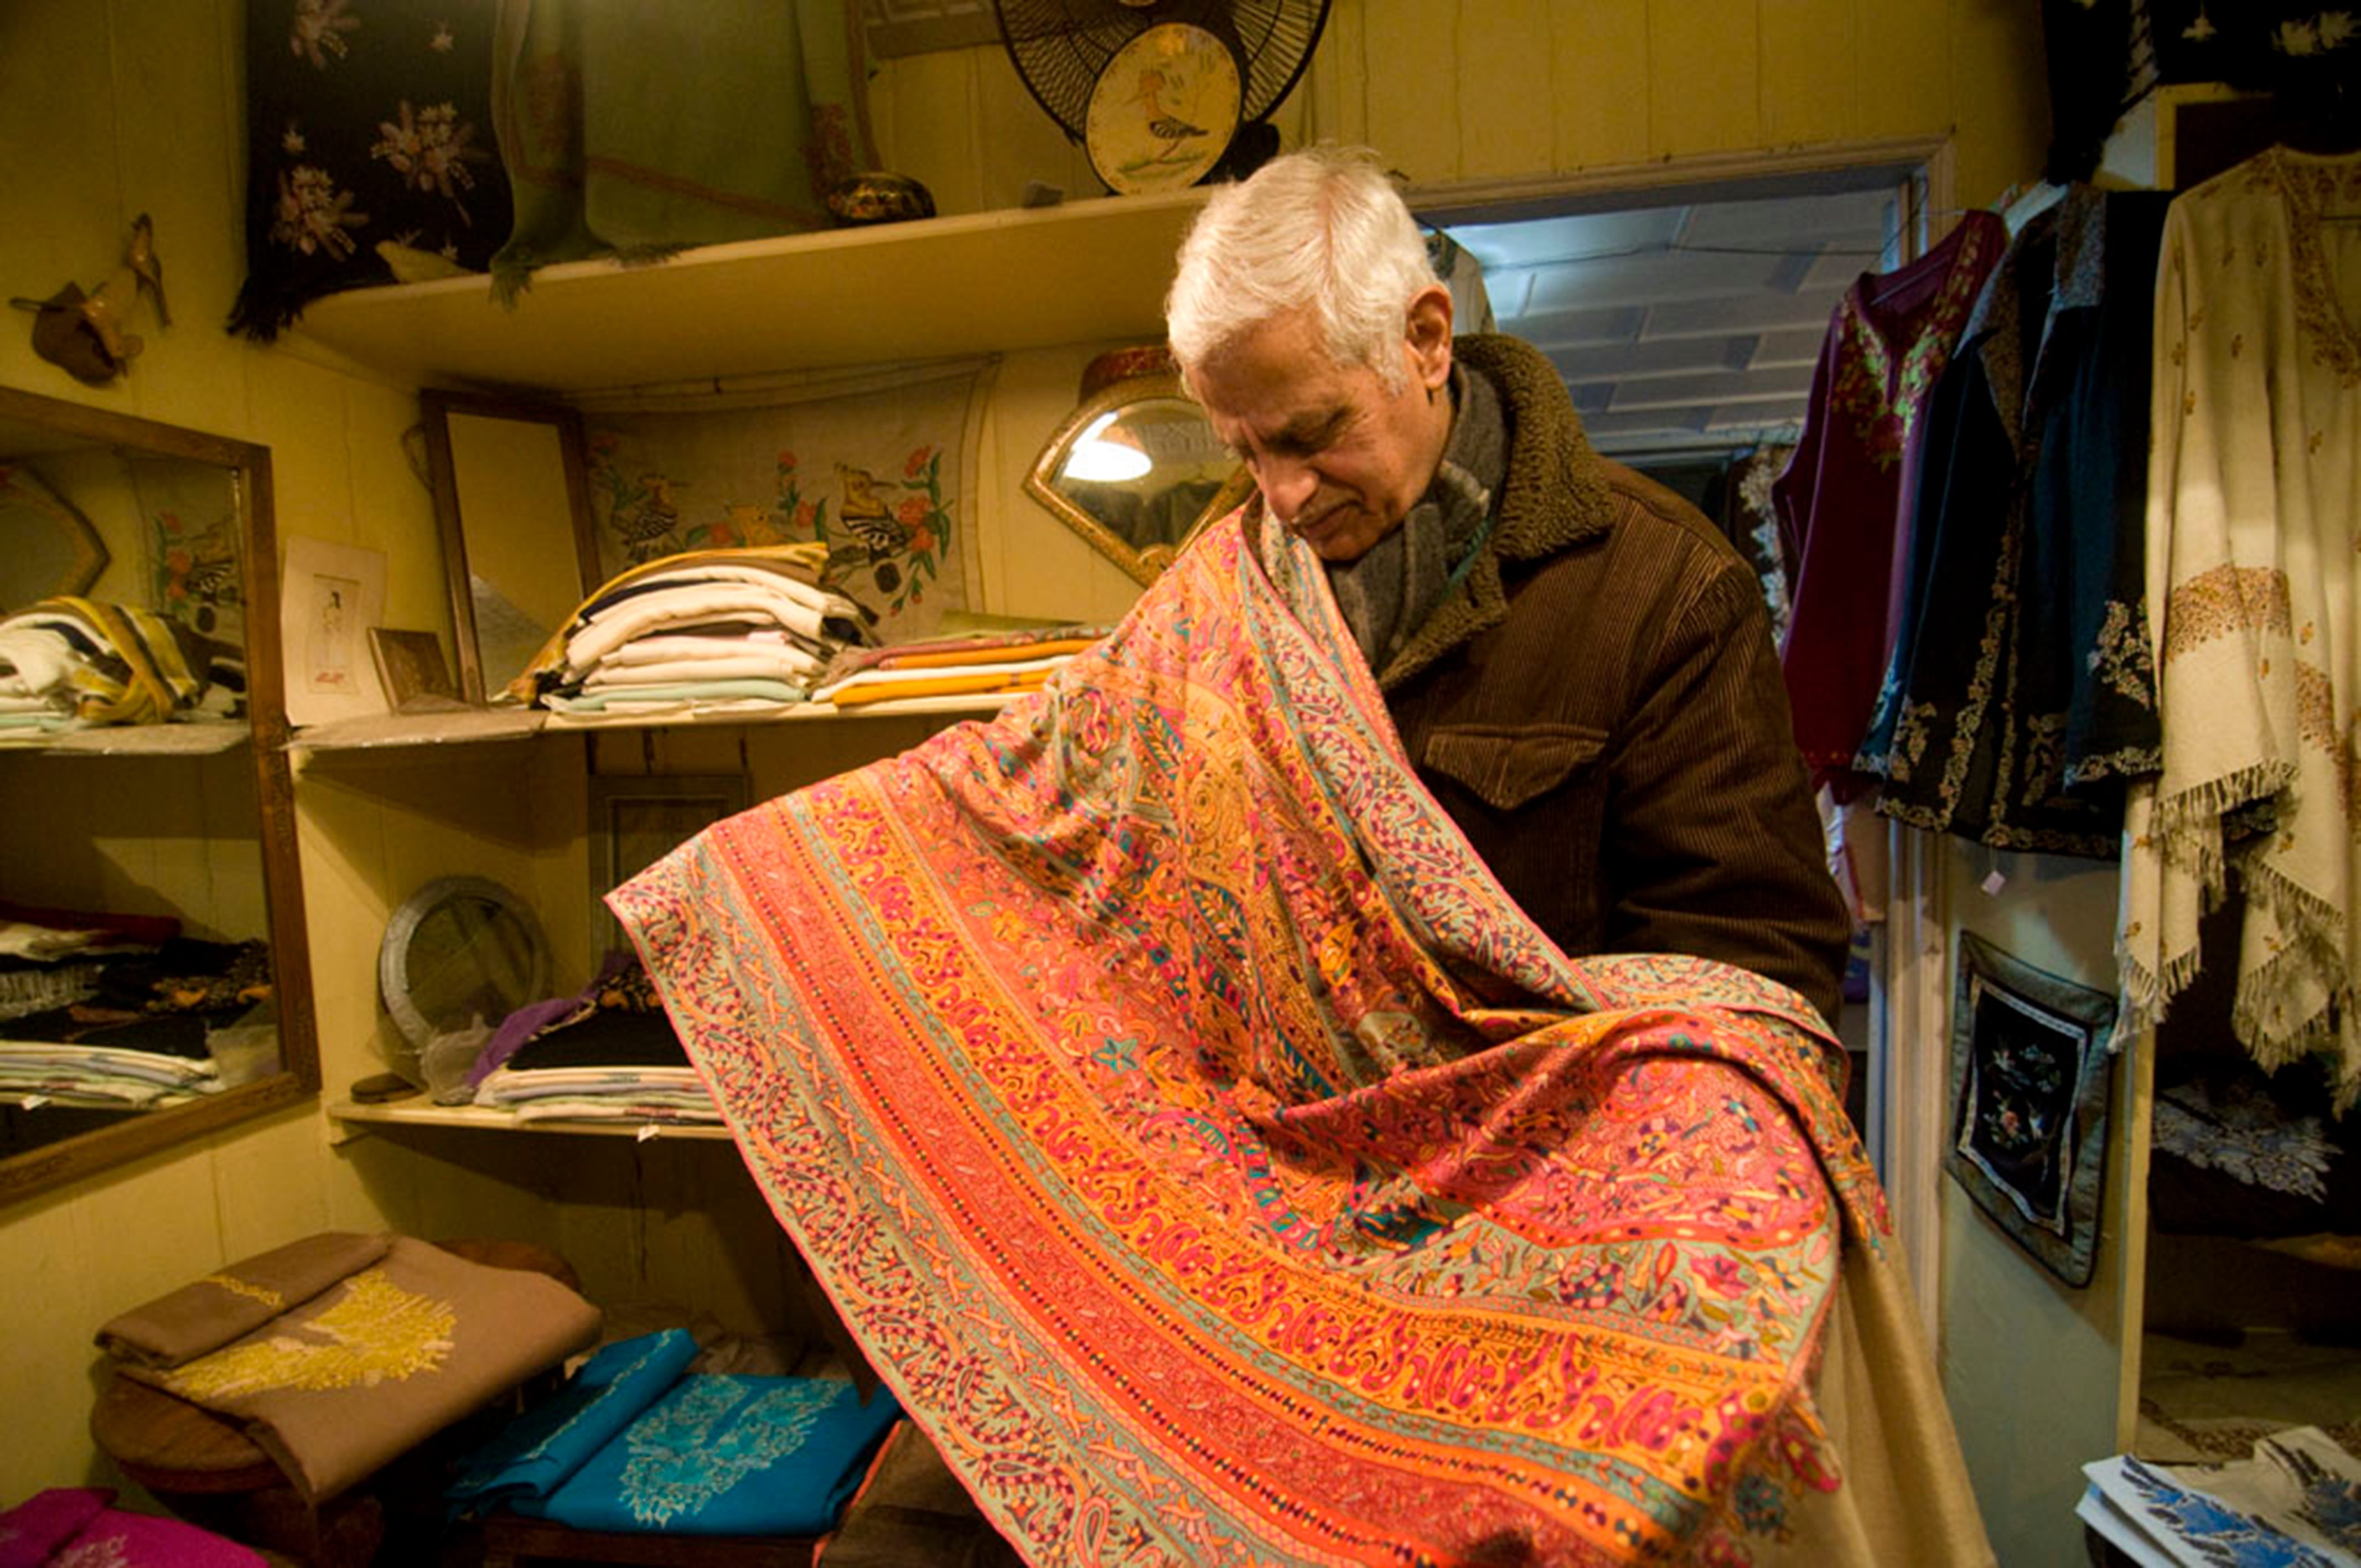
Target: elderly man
{"x":1218,"y":1164}
{"x":1580,"y":666}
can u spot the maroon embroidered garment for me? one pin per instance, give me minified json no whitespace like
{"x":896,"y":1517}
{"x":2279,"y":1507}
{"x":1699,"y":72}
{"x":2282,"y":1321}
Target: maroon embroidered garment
{"x":1843,"y":504}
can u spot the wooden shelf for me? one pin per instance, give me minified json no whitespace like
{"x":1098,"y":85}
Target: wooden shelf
{"x":385,"y":732}
{"x":935,"y":289}
{"x":486,"y":1119}
{"x":191,"y":740}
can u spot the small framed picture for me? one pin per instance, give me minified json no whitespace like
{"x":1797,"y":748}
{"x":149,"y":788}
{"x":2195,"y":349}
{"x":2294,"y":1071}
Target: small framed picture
{"x":2030,"y":1074}
{"x":410,"y":667}
{"x":328,"y":595}
{"x":636,"y":819}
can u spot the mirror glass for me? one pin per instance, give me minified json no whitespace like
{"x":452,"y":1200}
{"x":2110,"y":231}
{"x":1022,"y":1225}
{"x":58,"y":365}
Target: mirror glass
{"x":1135,"y":469}
{"x":462,"y":952}
{"x":460,"y":956}
{"x":512,"y":499}
{"x":153,"y":978}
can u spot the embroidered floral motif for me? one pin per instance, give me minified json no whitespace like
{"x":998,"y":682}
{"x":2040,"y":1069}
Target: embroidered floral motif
{"x":1885,"y":404}
{"x":2119,"y":654}
{"x":1911,"y":734}
{"x":2308,"y":189}
{"x":2240,"y":1133}
{"x":374,"y":1333}
{"x":2223,"y":601}
{"x":2045,"y":759}
{"x":710,"y":1436}
{"x":236,"y":1286}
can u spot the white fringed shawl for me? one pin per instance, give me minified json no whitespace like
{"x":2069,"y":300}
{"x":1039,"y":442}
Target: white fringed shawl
{"x":2254,"y":494}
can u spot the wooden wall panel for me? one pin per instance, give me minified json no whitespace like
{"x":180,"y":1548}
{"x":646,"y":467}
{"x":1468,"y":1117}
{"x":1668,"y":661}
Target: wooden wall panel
{"x":1599,"y":83}
{"x":1502,"y":52}
{"x":929,"y":128}
{"x":1903,"y":87}
{"x":45,"y":1356}
{"x":1408,"y":48}
{"x":1338,"y":80}
{"x":1702,"y":77}
{"x":1808,"y":62}
{"x":1024,"y":142}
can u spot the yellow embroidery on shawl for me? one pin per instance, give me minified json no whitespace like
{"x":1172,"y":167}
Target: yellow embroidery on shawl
{"x":236,"y":1286}
{"x":2222,"y":601}
{"x":377,"y":1332}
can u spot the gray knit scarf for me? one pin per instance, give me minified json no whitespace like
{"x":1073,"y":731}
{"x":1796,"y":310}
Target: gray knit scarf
{"x":1386,"y":593}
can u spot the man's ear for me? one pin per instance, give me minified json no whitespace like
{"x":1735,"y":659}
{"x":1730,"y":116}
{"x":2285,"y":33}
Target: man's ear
{"x":1429,"y":336}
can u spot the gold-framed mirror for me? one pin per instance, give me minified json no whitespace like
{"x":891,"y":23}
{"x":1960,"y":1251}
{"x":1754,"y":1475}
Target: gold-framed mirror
{"x":512,"y":499}
{"x":149,"y":893}
{"x":1137,"y":469}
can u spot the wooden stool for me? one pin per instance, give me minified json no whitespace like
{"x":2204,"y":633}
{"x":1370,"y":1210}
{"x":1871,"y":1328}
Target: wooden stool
{"x":206,"y":1469}
{"x":510,"y":1542}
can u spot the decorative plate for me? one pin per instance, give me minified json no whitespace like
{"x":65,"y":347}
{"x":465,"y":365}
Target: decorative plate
{"x":1163,"y":109}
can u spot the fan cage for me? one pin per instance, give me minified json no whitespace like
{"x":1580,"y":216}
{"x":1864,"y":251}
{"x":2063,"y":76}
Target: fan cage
{"x":1059,"y":47}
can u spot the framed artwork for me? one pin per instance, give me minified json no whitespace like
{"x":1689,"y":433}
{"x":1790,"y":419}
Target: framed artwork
{"x":329,"y":596}
{"x":411,"y":671}
{"x":194,"y":574}
{"x":2030,"y":1074}
{"x":636,"y":819}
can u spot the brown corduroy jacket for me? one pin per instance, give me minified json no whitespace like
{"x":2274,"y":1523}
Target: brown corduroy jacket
{"x":1599,"y":707}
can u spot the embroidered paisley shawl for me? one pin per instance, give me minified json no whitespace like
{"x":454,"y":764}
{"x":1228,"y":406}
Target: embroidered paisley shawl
{"x":1223,"y":1170}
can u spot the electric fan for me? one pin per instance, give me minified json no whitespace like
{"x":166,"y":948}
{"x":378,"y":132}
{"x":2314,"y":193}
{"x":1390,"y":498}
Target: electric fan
{"x":1163,"y":94}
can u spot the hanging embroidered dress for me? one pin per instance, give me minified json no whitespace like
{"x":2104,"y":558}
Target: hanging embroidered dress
{"x":1222,"y":1170}
{"x":2020,"y":697}
{"x":1841,"y":502}
{"x":2254,"y":502}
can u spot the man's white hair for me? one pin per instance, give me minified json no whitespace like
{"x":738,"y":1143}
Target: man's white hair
{"x":1321,"y":230}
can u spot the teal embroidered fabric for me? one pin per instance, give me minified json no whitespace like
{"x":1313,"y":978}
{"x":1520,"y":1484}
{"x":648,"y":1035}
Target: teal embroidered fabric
{"x":729,"y":1456}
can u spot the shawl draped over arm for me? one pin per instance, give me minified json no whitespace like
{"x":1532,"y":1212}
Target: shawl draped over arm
{"x":1222,"y":1170}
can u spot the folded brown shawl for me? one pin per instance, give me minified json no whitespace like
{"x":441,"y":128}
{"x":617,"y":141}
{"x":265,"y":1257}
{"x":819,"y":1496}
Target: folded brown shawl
{"x":383,"y":1360}
{"x":209,"y":1313}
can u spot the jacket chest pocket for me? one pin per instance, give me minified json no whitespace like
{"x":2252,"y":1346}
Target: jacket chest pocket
{"x":1509,"y":766}
{"x":1532,"y":799}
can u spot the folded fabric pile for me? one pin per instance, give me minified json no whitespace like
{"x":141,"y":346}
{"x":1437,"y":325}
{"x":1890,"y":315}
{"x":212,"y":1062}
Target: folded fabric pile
{"x":727,"y":631}
{"x":119,"y":1012}
{"x":2297,"y":1502}
{"x":636,"y":1441}
{"x":342,"y":1351}
{"x":607,"y":1054}
{"x":79,"y":1527}
{"x":70,"y":663}
{"x":985,"y":664}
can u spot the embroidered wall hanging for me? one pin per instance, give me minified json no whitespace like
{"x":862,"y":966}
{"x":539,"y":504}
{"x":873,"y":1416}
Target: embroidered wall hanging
{"x":2029,"y":1081}
{"x":876,"y":466}
{"x":369,"y":152}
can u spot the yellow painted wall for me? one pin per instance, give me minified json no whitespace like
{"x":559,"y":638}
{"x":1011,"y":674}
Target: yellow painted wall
{"x":113,"y":107}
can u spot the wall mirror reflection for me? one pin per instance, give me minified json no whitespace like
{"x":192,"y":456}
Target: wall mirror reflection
{"x":1135,"y":469}
{"x":153,"y":979}
{"x":513,"y":500}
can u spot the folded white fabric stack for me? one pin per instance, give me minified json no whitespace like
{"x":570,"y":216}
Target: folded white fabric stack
{"x":616,"y":1093}
{"x":722,"y":632}
{"x":66,"y":663}
{"x":35,"y":1073}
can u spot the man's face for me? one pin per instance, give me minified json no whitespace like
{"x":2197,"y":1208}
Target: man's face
{"x":1339,"y":459}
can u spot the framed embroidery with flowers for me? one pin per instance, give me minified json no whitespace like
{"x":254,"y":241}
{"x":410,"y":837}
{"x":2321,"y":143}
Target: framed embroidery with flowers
{"x":2030,"y":1073}
{"x":877,"y":466}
